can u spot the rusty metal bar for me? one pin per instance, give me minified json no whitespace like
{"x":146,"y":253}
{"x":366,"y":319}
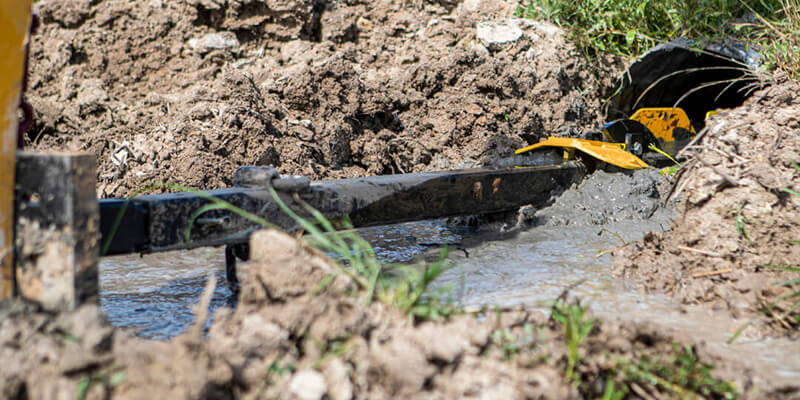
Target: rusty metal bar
{"x":160,"y":222}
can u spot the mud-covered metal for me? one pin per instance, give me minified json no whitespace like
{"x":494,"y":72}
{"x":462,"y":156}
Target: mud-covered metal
{"x":160,"y":222}
{"x":57,"y":233}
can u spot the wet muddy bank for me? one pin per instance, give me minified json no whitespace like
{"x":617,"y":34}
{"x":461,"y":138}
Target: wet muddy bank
{"x":733,"y":246}
{"x":290,"y":337}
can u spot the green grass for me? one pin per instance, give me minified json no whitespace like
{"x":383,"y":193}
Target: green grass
{"x":406,"y":288}
{"x":630,"y":27}
{"x":510,"y":344}
{"x":677,"y":374}
{"x":681,"y":376}
{"x":105,"y":378}
{"x":668,"y":171}
{"x":741,"y":224}
{"x":577,"y":326}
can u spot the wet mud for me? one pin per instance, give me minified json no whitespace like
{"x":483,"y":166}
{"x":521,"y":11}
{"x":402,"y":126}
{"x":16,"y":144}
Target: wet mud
{"x":290,"y":339}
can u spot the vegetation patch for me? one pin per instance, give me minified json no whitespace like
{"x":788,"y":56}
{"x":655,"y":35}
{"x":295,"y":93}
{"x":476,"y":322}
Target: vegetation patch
{"x":631,"y":27}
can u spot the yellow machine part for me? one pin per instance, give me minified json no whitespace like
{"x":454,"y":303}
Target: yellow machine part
{"x":15,"y":16}
{"x":612,"y":153}
{"x":661,"y":121}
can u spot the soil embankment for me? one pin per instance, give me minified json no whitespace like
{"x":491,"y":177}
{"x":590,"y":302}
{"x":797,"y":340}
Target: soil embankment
{"x":739,"y":218}
{"x":185,"y":92}
{"x":292,"y":338}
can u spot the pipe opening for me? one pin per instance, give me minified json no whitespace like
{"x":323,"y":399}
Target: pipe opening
{"x":699,"y":81}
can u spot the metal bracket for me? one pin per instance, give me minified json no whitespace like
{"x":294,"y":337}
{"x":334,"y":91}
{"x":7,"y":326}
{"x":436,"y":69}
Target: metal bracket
{"x":57,"y":229}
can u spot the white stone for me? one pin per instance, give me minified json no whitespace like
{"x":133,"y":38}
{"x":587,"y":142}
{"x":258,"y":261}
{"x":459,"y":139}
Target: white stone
{"x":471,"y":5}
{"x":214,"y":41}
{"x":498,"y":32}
{"x":308,"y":385}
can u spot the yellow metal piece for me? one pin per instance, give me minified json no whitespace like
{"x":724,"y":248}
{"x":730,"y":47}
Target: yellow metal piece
{"x":15,"y":18}
{"x":661,"y":121}
{"x":612,"y":153}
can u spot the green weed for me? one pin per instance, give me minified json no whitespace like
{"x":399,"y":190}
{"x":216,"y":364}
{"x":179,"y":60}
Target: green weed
{"x":107,"y":379}
{"x":681,"y":376}
{"x":778,"y":36}
{"x":611,"y":392}
{"x":630,"y":27}
{"x":510,"y":344}
{"x":669,"y":171}
{"x":741,"y":224}
{"x":332,"y":349}
{"x":577,"y":326}
{"x":216,"y":204}
{"x":278,"y":369}
{"x":404,"y":287}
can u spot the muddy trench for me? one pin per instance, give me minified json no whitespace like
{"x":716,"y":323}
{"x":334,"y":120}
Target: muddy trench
{"x":185,"y":92}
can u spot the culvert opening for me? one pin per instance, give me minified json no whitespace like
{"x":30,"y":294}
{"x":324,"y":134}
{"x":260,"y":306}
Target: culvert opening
{"x":674,"y":74}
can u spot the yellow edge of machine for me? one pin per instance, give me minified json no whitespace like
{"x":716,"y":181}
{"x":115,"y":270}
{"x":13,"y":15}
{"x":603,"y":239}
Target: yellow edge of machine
{"x":623,"y":142}
{"x":15,"y":19}
{"x":612,"y":153}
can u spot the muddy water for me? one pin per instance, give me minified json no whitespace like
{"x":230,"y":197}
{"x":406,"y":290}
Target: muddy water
{"x":152,"y":295}
{"x":535,"y":266}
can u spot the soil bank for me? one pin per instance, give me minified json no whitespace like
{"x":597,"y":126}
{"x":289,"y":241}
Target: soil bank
{"x":185,"y":92}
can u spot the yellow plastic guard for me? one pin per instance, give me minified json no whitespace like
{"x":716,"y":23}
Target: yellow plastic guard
{"x":15,"y":18}
{"x":663,"y":120}
{"x":612,"y":153}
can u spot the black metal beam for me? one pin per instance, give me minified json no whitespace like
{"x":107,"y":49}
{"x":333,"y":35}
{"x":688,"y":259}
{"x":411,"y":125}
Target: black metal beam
{"x":155,"y":223}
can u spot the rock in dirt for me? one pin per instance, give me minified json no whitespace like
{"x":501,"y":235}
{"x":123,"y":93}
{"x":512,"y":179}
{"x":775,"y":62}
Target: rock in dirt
{"x":498,"y":32}
{"x":308,"y":385}
{"x":214,"y":41}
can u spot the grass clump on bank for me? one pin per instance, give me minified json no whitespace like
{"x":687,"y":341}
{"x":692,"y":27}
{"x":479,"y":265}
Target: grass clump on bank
{"x":680,"y":375}
{"x":630,"y":27}
{"x":403,"y":287}
{"x":675,"y":374}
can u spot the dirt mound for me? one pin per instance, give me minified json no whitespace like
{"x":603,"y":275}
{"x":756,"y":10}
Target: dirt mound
{"x":184,"y":92}
{"x":738,"y":222}
{"x":293,"y":337}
